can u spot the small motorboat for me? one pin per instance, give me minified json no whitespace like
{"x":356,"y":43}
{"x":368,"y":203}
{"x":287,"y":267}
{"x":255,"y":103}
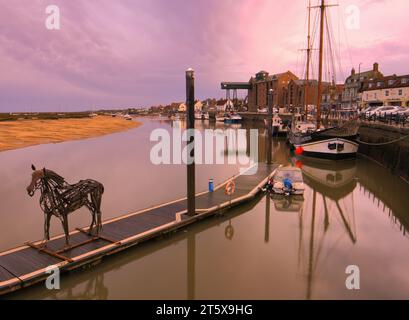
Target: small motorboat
{"x":128,"y":117}
{"x":279,"y":127}
{"x":233,"y":118}
{"x":286,"y":181}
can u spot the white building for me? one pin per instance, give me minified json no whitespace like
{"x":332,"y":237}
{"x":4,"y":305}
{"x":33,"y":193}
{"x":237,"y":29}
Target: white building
{"x":224,"y":105}
{"x":182,"y":107}
{"x":198,"y":105}
{"x":388,"y":91}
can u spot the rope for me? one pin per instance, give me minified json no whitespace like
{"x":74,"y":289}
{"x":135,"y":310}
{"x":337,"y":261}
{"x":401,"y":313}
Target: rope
{"x":383,"y":143}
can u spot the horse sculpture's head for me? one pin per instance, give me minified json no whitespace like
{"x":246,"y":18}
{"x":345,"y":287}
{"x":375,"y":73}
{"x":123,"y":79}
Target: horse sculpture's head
{"x":36,"y":177}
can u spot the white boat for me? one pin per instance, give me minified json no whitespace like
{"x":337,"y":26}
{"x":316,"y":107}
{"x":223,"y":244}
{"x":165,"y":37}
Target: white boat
{"x":336,"y":143}
{"x":287,"y":181}
{"x":220,"y":118}
{"x":279,"y":127}
{"x":201,"y":115}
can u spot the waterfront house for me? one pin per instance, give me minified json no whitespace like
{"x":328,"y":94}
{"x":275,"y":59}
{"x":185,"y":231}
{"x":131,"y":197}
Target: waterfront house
{"x":224,"y":105}
{"x":198,"y":105}
{"x":182,"y":107}
{"x":353,"y":86}
{"x":389,"y":91}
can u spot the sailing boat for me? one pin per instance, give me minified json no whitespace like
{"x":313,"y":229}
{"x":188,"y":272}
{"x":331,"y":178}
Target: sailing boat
{"x":338,"y":142}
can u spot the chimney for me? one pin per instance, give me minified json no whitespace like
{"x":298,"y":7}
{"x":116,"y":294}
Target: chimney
{"x":353,"y":72}
{"x":376,"y":67}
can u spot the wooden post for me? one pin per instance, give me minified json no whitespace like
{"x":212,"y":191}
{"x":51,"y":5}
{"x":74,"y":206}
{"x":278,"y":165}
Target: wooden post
{"x":267,"y":226}
{"x":269,"y":148}
{"x":190,"y":109}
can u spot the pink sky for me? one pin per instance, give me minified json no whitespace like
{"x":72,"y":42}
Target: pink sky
{"x":128,"y":53}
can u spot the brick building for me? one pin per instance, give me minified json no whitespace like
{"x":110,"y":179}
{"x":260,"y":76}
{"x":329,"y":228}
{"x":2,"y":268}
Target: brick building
{"x":295,"y":94}
{"x":332,"y":96}
{"x":262,"y":83}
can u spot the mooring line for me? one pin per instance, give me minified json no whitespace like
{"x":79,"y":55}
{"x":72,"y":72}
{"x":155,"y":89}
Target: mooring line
{"x":382,"y":143}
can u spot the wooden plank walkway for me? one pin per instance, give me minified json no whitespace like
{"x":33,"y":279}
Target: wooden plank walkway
{"x":27,"y":264}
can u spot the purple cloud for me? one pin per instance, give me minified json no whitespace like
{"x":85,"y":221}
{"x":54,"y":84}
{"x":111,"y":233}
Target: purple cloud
{"x":133,"y":53}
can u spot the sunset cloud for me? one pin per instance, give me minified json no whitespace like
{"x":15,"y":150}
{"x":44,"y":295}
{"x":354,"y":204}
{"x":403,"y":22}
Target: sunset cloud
{"x":134,"y":53}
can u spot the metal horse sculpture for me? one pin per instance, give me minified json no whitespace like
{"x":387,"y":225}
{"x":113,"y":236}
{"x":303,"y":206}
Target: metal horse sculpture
{"x":59,"y":199}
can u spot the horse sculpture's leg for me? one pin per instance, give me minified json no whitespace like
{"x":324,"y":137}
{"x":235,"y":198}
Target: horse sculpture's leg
{"x":96,"y":201}
{"x":47,"y":218}
{"x":91,"y":227}
{"x":66,"y":230}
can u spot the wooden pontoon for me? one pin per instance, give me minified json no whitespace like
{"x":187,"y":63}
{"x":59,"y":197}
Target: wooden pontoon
{"x":28,"y":264}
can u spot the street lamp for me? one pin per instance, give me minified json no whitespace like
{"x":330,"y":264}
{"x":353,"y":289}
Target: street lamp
{"x":359,"y":84}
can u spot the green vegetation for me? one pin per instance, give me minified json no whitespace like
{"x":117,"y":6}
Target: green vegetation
{"x":43,"y":116}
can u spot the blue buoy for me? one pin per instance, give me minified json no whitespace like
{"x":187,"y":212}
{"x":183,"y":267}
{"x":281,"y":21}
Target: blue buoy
{"x":211,"y":185}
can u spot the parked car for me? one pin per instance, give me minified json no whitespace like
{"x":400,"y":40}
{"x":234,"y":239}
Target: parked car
{"x":403,"y":111}
{"x":386,"y":111}
{"x":372,"y":111}
{"x":364,"y":111}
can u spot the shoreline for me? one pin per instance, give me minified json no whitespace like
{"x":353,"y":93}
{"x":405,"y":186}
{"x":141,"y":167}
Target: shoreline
{"x":26,"y":133}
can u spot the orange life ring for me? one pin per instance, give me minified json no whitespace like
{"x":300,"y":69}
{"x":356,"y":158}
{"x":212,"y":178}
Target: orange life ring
{"x":230,"y":188}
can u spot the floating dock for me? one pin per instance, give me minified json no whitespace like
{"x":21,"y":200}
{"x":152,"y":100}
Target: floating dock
{"x":28,"y":264}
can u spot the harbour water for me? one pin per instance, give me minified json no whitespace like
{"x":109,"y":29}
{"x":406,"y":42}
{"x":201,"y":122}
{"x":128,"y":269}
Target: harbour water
{"x":352,"y":213}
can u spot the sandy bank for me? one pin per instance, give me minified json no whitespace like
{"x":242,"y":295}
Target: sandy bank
{"x":24,"y":133}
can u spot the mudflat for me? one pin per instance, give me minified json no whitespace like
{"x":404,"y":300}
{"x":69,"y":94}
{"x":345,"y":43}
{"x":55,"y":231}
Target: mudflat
{"x":24,"y":133}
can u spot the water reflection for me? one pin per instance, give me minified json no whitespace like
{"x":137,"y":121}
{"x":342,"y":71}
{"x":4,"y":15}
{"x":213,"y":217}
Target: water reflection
{"x":284,"y":203}
{"x":331,"y":183}
{"x":352,"y":212}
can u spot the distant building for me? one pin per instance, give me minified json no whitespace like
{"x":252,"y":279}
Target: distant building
{"x":262,"y":83}
{"x":390,"y":91}
{"x":198,"y":105}
{"x":223,"y":105}
{"x":332,"y":96}
{"x":182,"y":107}
{"x":295,"y":94}
{"x":174,"y":106}
{"x":354,"y":83}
